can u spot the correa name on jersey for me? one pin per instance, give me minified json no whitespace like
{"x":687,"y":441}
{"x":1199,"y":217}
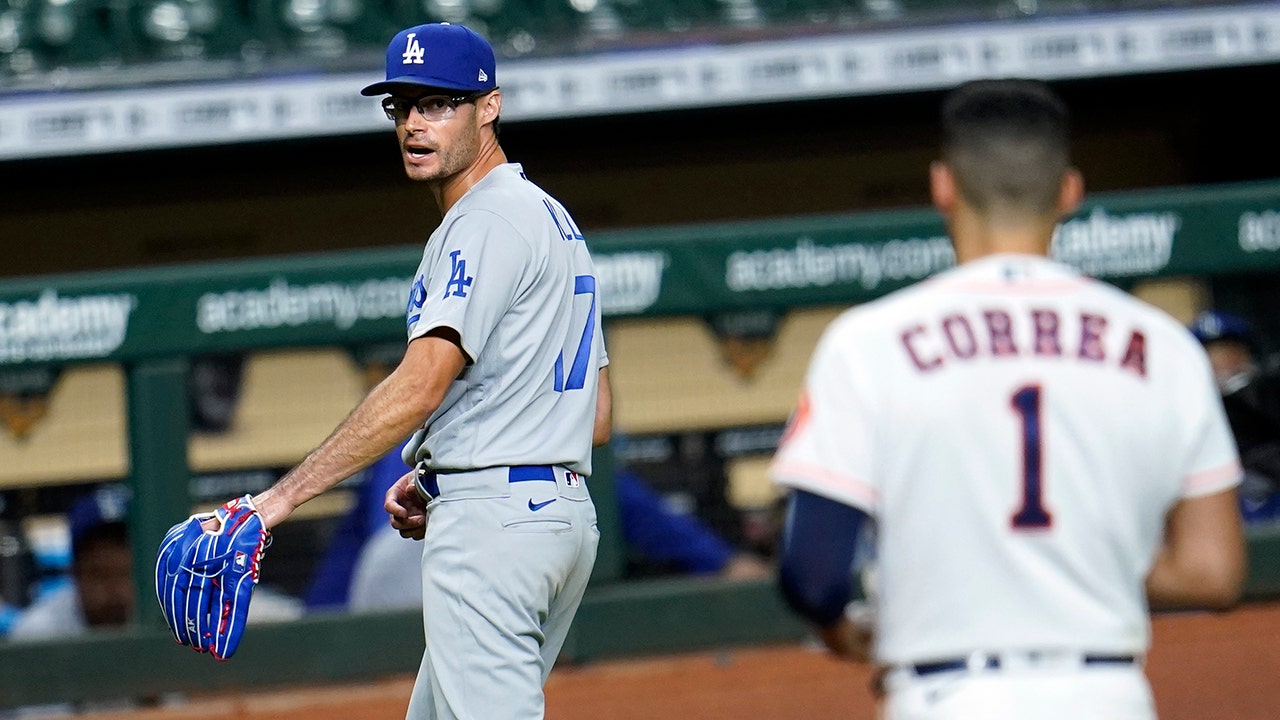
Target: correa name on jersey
{"x":995,"y":332}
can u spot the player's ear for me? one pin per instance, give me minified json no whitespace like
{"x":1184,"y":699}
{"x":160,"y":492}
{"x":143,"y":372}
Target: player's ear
{"x":1071,"y":193}
{"x":489,"y":107}
{"x":942,"y":187}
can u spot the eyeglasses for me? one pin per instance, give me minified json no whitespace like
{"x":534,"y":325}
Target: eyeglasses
{"x":432,"y":107}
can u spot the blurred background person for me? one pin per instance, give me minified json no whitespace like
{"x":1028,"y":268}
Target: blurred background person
{"x":383,"y":574}
{"x":364,"y":537}
{"x":657,"y":535}
{"x":100,"y":592}
{"x":1251,"y":396}
{"x":365,"y":564}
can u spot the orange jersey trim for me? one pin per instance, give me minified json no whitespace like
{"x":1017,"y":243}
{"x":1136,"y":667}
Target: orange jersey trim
{"x":1207,"y":482}
{"x":815,"y":477}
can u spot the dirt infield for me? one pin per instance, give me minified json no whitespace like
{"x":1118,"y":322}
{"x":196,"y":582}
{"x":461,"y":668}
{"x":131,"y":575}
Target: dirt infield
{"x":1203,"y":667}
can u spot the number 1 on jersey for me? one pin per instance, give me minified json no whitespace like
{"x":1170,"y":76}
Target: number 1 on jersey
{"x":1032,"y":515}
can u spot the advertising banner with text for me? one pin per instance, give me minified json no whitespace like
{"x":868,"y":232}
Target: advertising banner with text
{"x":356,"y":297}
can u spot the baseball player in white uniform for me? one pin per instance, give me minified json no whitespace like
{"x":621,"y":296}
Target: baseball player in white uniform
{"x":1040,"y":455}
{"x":504,"y":381}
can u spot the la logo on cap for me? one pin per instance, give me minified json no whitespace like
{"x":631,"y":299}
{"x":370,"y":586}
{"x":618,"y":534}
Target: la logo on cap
{"x":413,"y":51}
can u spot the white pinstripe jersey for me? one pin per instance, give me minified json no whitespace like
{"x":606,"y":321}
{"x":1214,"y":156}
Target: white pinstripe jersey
{"x":1019,"y":432}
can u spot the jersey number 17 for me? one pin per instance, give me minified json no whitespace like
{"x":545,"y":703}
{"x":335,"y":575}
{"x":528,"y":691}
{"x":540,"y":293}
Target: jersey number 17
{"x":577,"y":379}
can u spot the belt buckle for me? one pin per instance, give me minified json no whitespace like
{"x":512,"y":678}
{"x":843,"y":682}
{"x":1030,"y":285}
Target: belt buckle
{"x":982,"y":661}
{"x":973,"y":662}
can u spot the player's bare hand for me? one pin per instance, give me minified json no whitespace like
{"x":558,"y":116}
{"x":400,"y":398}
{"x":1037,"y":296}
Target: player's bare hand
{"x":848,"y":641}
{"x":406,"y":507}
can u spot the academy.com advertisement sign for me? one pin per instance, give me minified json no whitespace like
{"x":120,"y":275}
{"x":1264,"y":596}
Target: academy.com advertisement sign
{"x":630,"y":282}
{"x":806,"y":264}
{"x":850,"y":259}
{"x":355,"y":298}
{"x":1260,"y":231}
{"x":191,"y":310}
{"x":1101,"y":243}
{"x":1110,"y":244}
{"x":51,"y":327}
{"x":339,"y":305}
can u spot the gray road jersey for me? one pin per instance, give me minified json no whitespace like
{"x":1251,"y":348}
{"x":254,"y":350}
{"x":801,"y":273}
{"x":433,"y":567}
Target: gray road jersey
{"x":508,"y":269}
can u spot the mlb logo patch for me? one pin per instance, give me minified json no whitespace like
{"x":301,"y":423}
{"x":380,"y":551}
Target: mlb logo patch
{"x":571,"y":479}
{"x":240,"y":561}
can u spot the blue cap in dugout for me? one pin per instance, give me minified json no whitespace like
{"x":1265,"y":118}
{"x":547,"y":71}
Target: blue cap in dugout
{"x":103,"y":505}
{"x":438,"y":56}
{"x":1220,"y":325}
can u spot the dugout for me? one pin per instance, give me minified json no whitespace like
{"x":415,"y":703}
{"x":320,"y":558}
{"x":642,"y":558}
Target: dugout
{"x":726,"y":311}
{"x":126,"y":340}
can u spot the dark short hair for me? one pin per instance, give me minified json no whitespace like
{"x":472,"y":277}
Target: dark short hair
{"x":1006,"y":142}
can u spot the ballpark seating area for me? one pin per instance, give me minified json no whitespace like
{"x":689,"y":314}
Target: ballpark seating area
{"x":175,"y":40}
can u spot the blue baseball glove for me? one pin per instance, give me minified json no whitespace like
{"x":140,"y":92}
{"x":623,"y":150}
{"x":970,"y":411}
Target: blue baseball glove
{"x":205,"y":579}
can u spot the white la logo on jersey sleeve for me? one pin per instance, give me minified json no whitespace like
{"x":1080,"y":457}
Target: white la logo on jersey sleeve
{"x":413,"y":51}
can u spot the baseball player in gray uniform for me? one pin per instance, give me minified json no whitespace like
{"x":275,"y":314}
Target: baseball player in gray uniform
{"x":503,"y":387}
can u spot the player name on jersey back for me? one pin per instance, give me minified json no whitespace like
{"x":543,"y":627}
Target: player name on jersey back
{"x":935,"y":342}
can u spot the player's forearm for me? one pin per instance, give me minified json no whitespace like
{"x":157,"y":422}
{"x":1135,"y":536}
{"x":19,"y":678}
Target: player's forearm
{"x":1172,"y":584}
{"x":388,"y":414}
{"x":381,"y":421}
{"x":602,"y":429}
{"x":1203,"y":559}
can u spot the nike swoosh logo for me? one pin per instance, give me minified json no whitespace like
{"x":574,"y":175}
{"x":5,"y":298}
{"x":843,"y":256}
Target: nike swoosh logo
{"x":538,"y":506}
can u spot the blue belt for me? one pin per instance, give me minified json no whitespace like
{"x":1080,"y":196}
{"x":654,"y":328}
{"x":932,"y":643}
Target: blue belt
{"x":528,"y":473}
{"x":992,"y":662}
{"x":429,"y":486}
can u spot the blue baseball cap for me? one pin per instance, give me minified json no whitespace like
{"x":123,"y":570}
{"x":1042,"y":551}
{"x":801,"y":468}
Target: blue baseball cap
{"x":438,"y":56}
{"x":105,"y":504}
{"x":1214,"y":325}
